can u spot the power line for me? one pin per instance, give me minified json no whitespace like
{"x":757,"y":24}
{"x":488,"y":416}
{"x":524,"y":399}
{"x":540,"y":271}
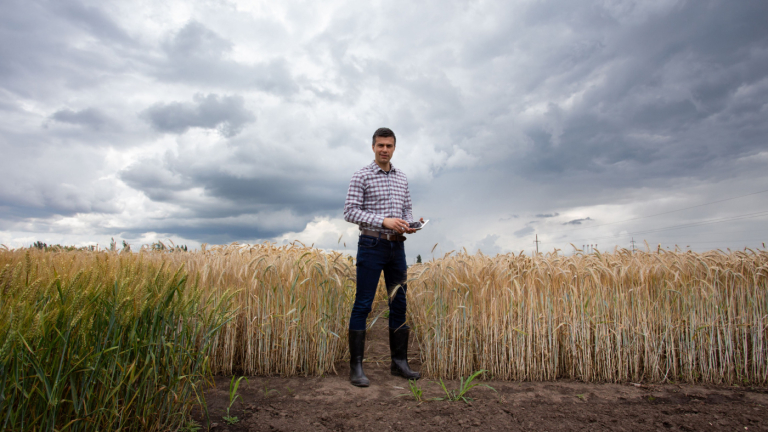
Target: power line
{"x":660,"y":214}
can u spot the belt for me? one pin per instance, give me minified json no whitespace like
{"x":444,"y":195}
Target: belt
{"x":390,"y":237}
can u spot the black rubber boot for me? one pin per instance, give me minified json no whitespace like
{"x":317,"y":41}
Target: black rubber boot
{"x":356,"y":352}
{"x":398,"y":345}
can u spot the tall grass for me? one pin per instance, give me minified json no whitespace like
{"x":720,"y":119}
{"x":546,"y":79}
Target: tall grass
{"x":107,"y":341}
{"x":293,"y":307}
{"x":94,"y":341}
{"x":661,"y":316}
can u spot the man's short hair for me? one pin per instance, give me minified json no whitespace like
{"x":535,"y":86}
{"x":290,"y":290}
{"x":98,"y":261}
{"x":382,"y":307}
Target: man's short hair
{"x":384,"y":133}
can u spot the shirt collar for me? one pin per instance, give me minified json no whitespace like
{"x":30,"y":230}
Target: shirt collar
{"x":375,"y":167}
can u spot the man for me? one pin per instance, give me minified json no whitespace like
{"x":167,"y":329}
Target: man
{"x":378,"y":201}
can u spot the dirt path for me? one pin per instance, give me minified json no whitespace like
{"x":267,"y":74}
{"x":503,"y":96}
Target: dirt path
{"x":331,"y":403}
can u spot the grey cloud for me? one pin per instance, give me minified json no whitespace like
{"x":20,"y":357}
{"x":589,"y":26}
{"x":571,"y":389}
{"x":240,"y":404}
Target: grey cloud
{"x":235,"y":195}
{"x":275,"y":185}
{"x":89,"y":117}
{"x":43,"y":199}
{"x":547,"y":215}
{"x":227,"y":114}
{"x":488,"y":244}
{"x":523,"y":232}
{"x":562,"y":105}
{"x":218,"y":231}
{"x":577,"y":221}
{"x":662,"y":84}
{"x":92,"y":20}
{"x":194,"y":40}
{"x":44,"y":49}
{"x":196,"y":54}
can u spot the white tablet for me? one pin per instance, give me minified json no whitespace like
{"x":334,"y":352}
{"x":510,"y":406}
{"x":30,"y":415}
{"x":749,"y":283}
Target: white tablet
{"x":423,"y":224}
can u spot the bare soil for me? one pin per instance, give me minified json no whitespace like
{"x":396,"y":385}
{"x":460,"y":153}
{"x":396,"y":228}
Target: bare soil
{"x":331,"y":403}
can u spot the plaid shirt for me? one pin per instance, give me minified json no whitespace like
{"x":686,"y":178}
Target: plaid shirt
{"x":374,"y":195}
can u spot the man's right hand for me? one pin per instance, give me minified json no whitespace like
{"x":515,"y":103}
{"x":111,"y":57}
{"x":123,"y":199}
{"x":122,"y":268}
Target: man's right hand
{"x":398,"y":225}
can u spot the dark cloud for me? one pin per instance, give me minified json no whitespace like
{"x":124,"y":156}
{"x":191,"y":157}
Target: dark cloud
{"x":211,"y":192}
{"x":505,"y":107}
{"x":219,"y":231}
{"x":89,"y":117}
{"x":51,"y":47}
{"x":227,"y":114}
{"x":196,"y":54}
{"x":577,"y":221}
{"x":92,"y":20}
{"x":524,"y":232}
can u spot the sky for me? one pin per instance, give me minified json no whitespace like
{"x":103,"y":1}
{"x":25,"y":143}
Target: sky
{"x":575,"y":123}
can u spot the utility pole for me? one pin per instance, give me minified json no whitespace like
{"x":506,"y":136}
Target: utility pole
{"x":633,"y":245}
{"x":537,"y":244}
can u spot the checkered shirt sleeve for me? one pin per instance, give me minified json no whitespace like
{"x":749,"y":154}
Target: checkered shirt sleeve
{"x":374,"y":195}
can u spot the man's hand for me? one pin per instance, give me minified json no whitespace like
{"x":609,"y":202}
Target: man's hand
{"x":413,"y":230}
{"x":399,"y":226}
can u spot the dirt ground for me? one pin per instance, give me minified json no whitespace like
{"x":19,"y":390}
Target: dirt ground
{"x":331,"y":403}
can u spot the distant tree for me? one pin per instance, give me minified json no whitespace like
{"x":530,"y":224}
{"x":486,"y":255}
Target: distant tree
{"x":112,"y":245}
{"x":418,"y":259}
{"x":126,"y":246}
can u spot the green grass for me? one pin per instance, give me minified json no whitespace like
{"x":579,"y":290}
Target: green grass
{"x":233,"y":396}
{"x":460,"y":394}
{"x":117,"y":345}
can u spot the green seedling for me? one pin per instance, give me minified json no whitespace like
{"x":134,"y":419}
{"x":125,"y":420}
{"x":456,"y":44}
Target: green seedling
{"x":416,"y":392}
{"x":580,"y":396}
{"x":191,"y":426}
{"x":233,"y":385}
{"x":460,"y":394}
{"x":268,"y":391}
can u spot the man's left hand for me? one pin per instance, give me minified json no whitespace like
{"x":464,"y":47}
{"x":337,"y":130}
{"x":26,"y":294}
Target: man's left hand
{"x":413,"y":230}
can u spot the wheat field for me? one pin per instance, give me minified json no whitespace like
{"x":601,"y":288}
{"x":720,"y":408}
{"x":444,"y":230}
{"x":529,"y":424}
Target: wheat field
{"x":128,"y":340}
{"x":105,"y":341}
{"x":292,"y":305}
{"x":603,"y":317}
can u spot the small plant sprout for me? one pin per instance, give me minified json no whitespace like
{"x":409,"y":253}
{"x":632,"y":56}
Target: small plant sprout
{"x":268,"y":391}
{"x":416,"y":392}
{"x":233,"y":385}
{"x":460,"y":394}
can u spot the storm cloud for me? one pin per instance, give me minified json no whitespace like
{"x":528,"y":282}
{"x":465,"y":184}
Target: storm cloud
{"x":88,"y":117}
{"x":226,"y":114}
{"x":218,"y":122}
{"x":577,"y":221}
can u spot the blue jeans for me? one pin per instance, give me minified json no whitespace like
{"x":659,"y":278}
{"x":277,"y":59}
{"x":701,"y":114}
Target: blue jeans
{"x":374,"y":255}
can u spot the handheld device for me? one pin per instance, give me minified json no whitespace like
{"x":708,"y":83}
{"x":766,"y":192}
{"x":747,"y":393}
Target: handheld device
{"x":416,"y":227}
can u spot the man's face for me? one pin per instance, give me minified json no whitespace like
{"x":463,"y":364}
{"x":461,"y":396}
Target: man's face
{"x":383,"y":148}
